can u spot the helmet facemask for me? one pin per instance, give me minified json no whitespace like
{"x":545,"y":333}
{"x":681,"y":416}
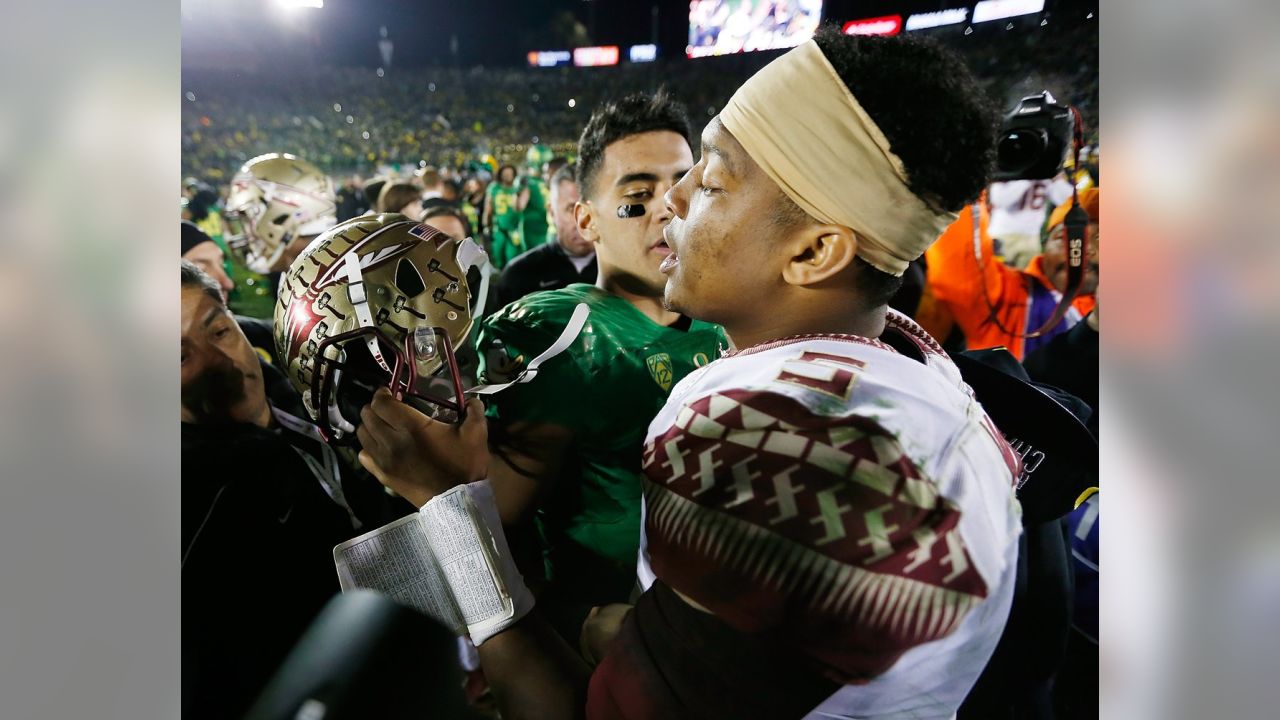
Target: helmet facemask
{"x":379,"y":301}
{"x":275,"y":199}
{"x":257,"y":244}
{"x":423,"y":374}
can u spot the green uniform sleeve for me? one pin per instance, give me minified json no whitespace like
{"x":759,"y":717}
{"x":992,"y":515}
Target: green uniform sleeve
{"x":508,"y":340}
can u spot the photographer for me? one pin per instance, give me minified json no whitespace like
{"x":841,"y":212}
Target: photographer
{"x":996,"y":305}
{"x":264,"y":501}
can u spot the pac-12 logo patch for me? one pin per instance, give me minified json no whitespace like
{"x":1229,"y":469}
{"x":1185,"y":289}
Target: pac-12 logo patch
{"x":660,"y":369}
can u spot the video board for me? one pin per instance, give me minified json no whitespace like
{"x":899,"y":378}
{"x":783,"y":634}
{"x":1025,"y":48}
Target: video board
{"x":724,"y":27}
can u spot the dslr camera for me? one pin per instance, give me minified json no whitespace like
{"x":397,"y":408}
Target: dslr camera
{"x":1034,"y":139}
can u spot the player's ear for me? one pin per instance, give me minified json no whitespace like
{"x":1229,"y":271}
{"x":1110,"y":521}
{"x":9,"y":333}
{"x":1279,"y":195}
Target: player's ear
{"x":819,"y":252}
{"x":586,"y":219}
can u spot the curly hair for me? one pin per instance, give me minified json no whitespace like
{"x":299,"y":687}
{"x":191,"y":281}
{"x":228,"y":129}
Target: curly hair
{"x":934,"y":114}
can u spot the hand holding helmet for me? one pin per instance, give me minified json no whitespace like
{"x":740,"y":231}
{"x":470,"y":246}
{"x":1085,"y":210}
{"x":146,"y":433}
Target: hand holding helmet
{"x":416,"y":456}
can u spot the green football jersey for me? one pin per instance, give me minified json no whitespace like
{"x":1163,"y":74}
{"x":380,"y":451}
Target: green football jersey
{"x":606,"y":388}
{"x":503,"y":199}
{"x":535,"y":212}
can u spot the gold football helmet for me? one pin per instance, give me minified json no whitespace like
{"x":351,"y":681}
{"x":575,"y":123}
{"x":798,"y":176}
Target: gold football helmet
{"x":378,"y":301}
{"x":276,"y":198}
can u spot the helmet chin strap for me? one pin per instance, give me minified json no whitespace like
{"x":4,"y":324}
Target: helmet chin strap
{"x":360,"y":302}
{"x":570,"y":333}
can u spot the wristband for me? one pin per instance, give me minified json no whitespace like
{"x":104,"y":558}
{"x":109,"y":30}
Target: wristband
{"x":476,"y":561}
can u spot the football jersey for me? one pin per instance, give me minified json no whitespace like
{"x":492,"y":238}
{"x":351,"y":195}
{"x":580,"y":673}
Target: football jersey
{"x":1018,"y":207}
{"x":605,"y":388}
{"x":503,"y":199}
{"x":851,"y":503}
{"x":535,"y":212}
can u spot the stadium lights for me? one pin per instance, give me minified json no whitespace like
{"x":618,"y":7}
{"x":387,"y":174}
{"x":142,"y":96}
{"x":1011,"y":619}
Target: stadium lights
{"x":922,"y":21}
{"x":291,"y":4}
{"x":1000,"y":9}
{"x":887,"y":25}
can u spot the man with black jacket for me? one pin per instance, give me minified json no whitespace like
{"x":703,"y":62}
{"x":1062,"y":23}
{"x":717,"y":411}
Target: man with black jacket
{"x":552,"y":265}
{"x":264,"y":500}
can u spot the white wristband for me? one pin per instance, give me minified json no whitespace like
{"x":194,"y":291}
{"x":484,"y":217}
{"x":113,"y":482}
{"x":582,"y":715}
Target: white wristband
{"x":488,"y":607}
{"x":521,"y":599}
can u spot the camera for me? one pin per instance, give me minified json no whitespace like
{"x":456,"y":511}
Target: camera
{"x":1034,"y":139}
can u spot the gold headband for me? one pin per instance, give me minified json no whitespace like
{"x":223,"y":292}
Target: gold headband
{"x":800,"y":123}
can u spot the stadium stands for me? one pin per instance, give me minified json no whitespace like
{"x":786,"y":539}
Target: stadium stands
{"x":446,"y":117}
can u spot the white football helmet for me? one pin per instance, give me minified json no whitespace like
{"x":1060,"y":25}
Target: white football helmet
{"x":275,"y":199}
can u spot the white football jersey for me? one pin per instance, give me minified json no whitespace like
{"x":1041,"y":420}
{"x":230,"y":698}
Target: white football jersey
{"x":1019,"y":207}
{"x":833,"y":491}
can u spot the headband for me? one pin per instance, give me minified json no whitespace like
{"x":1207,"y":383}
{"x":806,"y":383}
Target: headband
{"x":802,"y":126}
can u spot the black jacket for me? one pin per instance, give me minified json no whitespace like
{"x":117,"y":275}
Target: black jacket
{"x":546,"y":267}
{"x":1070,"y":361}
{"x":258,"y":531}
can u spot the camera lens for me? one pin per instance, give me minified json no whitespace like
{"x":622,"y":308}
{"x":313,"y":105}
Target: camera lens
{"x":1019,"y":149}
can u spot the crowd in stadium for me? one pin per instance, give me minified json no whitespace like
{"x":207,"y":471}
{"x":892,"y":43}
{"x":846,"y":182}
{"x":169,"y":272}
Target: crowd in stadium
{"x":447,"y":117}
{"x":789,"y":405}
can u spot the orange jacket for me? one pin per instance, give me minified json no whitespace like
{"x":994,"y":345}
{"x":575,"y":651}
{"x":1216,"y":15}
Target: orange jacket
{"x":1023,"y":299}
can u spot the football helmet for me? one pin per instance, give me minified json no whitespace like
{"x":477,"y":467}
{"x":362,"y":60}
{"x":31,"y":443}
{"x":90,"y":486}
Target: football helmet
{"x":274,"y":199}
{"x":378,"y":301}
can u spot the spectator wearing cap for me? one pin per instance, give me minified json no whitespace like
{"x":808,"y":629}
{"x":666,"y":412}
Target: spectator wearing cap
{"x":995,"y":305}
{"x":204,"y":253}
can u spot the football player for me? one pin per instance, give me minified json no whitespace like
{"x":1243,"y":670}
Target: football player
{"x":532,"y":203}
{"x":278,"y":203}
{"x":830,"y":527}
{"x":569,"y":442}
{"x":502,"y":218}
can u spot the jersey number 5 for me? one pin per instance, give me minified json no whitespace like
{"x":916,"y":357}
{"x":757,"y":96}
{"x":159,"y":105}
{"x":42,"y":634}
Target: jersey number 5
{"x":829,"y":374}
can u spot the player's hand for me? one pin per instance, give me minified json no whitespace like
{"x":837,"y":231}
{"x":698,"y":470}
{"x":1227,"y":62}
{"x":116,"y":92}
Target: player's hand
{"x":599,"y":630}
{"x":416,"y":456}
